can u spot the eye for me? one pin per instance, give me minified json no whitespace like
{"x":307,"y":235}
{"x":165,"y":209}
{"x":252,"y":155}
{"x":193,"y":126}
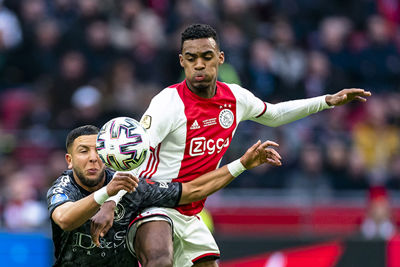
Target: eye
{"x":190,"y":59}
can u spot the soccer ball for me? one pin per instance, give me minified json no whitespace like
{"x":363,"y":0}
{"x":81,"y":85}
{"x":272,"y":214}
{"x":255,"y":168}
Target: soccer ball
{"x":122,"y":144}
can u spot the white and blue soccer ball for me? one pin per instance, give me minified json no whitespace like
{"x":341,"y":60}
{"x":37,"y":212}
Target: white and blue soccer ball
{"x":122,"y":144}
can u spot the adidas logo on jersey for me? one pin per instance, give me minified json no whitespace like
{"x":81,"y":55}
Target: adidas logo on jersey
{"x":195,"y":125}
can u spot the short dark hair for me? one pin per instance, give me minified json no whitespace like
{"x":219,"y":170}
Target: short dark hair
{"x":198,"y":31}
{"x":83,"y":130}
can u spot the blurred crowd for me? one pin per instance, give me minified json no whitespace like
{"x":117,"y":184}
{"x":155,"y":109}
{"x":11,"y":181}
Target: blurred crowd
{"x":65,"y":63}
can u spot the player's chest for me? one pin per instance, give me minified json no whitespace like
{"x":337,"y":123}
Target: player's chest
{"x":210,"y":116}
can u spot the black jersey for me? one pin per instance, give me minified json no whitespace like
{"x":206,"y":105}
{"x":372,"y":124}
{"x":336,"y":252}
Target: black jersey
{"x":75,"y":248}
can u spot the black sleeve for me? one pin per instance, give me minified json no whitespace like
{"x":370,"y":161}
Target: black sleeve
{"x":62,"y":191}
{"x":150,"y":193}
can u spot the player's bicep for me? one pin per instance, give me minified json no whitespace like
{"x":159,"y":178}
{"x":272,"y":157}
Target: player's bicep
{"x":59,"y":211}
{"x":248,"y":105}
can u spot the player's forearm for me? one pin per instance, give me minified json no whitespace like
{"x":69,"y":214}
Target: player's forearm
{"x":205,"y":185}
{"x":286,"y":112}
{"x":71,"y":215}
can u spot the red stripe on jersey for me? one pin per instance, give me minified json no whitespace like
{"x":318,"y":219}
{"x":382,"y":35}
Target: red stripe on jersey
{"x":209,"y":130}
{"x":265,"y":108}
{"x":150,"y":163}
{"x":205,"y":255}
{"x":157,"y":160}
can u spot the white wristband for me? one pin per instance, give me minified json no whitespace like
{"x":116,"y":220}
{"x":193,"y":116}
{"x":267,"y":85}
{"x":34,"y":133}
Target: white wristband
{"x":100,"y":196}
{"x":236,"y":168}
{"x":116,"y":198}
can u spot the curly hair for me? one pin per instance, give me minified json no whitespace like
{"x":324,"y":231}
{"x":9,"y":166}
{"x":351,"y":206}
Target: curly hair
{"x":198,"y":31}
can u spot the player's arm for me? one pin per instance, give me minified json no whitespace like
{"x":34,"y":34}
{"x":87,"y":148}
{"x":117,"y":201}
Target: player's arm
{"x":285,"y":112}
{"x":213,"y":181}
{"x":152,"y":194}
{"x":70,"y":215}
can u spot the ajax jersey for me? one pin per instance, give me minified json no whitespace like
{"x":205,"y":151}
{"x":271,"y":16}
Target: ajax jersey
{"x":190,"y":134}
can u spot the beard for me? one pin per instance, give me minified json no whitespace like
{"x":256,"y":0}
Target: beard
{"x":89,"y":182}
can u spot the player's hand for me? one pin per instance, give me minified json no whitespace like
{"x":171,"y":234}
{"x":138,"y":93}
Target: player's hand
{"x":102,"y":221}
{"x":261,"y":153}
{"x":122,"y":181}
{"x":347,"y":95}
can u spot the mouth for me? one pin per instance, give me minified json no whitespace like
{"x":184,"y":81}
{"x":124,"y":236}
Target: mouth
{"x":199,"y":77}
{"x":92,"y":171}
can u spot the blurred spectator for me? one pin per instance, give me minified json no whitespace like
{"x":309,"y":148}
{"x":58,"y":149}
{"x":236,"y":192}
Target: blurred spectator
{"x":380,"y":61}
{"x":308,"y":181}
{"x":263,"y":81}
{"x":318,"y":79}
{"x":378,"y":223}
{"x":377,"y":140}
{"x":72,"y":73}
{"x":332,"y":40}
{"x":289,"y":62}
{"x":22,"y":210}
{"x":10,"y":30}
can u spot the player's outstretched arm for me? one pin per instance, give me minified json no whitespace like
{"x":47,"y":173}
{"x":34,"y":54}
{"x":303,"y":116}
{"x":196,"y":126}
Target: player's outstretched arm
{"x":288,"y":111}
{"x":71,"y":215}
{"x":347,"y":95}
{"x":211,"y":182}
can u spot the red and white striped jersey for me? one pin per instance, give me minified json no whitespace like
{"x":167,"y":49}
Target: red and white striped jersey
{"x":189,"y":134}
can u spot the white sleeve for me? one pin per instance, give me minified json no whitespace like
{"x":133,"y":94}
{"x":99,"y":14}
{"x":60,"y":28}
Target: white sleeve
{"x":285,"y":112}
{"x":158,"y":120}
{"x":248,"y":105}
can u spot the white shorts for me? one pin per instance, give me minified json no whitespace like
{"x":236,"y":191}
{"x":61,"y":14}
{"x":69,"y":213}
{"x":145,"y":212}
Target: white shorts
{"x":192,"y":239}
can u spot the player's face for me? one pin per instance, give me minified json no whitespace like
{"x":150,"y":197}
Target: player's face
{"x":85,"y":162}
{"x":200,"y":59}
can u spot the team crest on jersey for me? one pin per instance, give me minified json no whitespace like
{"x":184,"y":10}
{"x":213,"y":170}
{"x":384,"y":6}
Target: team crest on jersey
{"x":226,"y":118}
{"x":146,"y":121}
{"x":119,"y":212}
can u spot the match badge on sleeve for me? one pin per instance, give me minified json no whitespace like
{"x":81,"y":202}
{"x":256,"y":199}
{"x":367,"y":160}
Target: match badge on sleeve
{"x":58,"y":198}
{"x":146,"y":121}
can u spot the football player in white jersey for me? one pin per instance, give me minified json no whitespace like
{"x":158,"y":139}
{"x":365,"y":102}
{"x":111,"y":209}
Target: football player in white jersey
{"x":191,"y":125}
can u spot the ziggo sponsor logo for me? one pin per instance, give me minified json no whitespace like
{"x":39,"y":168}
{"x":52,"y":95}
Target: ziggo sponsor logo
{"x":200,"y":145}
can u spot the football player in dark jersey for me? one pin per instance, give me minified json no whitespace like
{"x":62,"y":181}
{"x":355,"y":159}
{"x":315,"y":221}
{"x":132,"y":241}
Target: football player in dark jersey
{"x":79,"y":192}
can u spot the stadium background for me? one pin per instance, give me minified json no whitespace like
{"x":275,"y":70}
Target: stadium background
{"x":65,"y":63}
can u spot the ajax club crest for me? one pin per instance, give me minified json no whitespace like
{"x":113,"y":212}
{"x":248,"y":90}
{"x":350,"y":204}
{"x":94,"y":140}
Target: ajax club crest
{"x":226,"y":118}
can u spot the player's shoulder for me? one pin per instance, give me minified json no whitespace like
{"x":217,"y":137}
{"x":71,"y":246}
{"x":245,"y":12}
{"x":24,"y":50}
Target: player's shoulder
{"x":65,"y":181}
{"x":231,"y":86}
{"x":238,"y":91}
{"x":166,"y":94}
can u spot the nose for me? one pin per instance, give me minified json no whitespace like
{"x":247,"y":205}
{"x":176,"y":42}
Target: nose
{"x":199,"y":64}
{"x":94,"y":157}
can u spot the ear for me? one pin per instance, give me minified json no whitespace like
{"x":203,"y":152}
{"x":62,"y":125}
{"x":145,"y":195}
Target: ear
{"x":181,"y":60}
{"x":68,"y":159}
{"x":221,"y":58}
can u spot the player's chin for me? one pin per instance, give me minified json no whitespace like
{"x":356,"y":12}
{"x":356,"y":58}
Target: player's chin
{"x":201,"y":85}
{"x":95,"y":174}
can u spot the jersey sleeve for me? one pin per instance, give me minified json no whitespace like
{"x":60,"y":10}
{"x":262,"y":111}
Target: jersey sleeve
{"x":286,"y":112}
{"x":248,"y":105}
{"x":150,"y":193}
{"x":158,"y":118}
{"x":61,"y":192}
